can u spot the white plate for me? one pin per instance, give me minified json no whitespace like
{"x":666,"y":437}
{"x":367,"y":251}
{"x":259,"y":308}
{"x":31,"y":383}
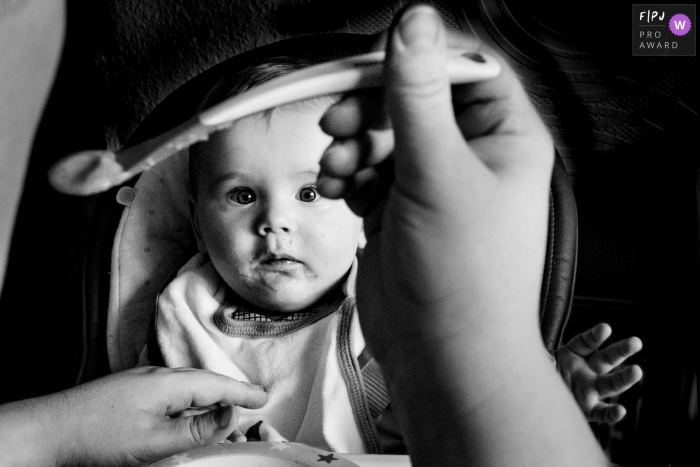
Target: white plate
{"x":264,"y":454}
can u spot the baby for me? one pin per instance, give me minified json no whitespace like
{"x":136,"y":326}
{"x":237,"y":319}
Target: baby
{"x":269,"y":299}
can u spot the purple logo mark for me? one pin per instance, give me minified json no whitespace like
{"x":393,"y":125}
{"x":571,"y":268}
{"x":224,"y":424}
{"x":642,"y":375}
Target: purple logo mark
{"x":679,"y":24}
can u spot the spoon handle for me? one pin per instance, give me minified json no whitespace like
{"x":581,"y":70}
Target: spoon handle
{"x":91,"y":172}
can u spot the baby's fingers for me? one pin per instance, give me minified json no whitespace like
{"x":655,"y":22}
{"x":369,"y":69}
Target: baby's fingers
{"x":588,"y":342}
{"x":607,"y":413}
{"x":618,"y":382}
{"x":237,"y":436}
{"x":613,"y":355}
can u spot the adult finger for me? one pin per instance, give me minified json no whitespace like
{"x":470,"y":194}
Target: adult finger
{"x":355,"y":113}
{"x":588,"y":342}
{"x":367,"y":194}
{"x":613,"y":355}
{"x":418,"y":98}
{"x":183,"y":433}
{"x":455,"y":39}
{"x":202,"y":388}
{"x":344,"y":157}
{"x":359,"y":111}
{"x":355,"y":147}
{"x":618,"y":381}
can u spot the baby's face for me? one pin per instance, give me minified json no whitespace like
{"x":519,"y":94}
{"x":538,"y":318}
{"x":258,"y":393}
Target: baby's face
{"x":273,"y":239}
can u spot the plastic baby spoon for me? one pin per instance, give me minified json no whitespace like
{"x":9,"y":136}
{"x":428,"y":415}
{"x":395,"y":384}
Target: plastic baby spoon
{"x":90,"y":172}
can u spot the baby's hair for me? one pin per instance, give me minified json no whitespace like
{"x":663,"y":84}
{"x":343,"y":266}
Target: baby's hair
{"x":250,"y":75}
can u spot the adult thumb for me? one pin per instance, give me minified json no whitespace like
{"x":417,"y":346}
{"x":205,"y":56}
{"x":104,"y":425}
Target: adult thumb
{"x":418,"y":94}
{"x":202,"y":430}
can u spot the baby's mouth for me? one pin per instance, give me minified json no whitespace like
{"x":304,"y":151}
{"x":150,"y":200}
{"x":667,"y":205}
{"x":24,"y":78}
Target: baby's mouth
{"x":279,"y":262}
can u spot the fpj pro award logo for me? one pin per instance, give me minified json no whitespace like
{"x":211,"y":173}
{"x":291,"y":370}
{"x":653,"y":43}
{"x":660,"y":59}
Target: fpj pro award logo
{"x":663,"y":30}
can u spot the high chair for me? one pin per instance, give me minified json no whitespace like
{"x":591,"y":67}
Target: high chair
{"x":141,"y":232}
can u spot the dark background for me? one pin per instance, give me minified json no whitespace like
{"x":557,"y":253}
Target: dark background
{"x":625,"y":126}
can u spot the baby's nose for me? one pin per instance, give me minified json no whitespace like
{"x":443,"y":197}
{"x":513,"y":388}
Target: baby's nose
{"x":273,"y":229}
{"x":277,"y":219}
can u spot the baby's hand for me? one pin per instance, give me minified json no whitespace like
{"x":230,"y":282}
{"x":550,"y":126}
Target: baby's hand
{"x":589,"y":372}
{"x":259,"y":431}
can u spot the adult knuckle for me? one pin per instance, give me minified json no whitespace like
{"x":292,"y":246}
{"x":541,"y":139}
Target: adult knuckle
{"x":422,"y":87}
{"x":198,"y":432}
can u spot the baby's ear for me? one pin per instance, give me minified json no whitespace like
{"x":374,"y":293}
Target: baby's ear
{"x":195,"y":224}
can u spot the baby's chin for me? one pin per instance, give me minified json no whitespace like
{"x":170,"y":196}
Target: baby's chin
{"x":282,"y":301}
{"x":280,"y":293}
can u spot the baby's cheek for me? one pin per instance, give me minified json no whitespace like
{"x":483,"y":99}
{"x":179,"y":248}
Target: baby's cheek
{"x":333,"y":242}
{"x":311,"y":274}
{"x":236,"y":260}
{"x":338,"y":258}
{"x":327,"y":248}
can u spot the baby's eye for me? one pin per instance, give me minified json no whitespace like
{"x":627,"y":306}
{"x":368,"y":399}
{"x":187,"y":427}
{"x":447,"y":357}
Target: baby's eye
{"x":242,"y":196}
{"x":308,"y":194}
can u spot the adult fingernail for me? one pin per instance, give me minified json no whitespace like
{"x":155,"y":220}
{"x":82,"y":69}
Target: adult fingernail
{"x":224,"y":416}
{"x":474,"y":57}
{"x":419,"y":28}
{"x":257,"y":386}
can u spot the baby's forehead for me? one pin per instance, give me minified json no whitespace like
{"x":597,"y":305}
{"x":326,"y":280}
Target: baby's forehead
{"x":283,"y":140}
